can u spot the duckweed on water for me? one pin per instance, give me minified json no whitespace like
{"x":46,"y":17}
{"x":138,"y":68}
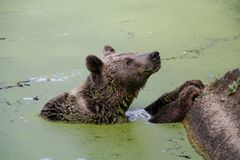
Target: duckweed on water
{"x":42,"y":38}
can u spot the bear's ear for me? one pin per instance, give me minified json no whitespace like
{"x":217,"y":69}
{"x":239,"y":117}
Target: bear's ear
{"x":94,"y":64}
{"x":108,"y":50}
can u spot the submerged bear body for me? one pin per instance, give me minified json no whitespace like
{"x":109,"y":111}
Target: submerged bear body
{"x":113,"y":83}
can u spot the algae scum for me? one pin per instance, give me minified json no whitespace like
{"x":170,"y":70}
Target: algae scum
{"x":43,"y":45}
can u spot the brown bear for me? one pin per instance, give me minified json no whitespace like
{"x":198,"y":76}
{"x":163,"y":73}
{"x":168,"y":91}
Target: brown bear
{"x":173,"y":106}
{"x":109,"y":90}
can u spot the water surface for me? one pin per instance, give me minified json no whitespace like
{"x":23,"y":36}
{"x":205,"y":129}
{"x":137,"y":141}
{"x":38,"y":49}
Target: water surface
{"x":46,"y":42}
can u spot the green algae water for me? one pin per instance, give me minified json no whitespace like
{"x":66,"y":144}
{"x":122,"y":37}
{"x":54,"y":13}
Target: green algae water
{"x":43,"y":45}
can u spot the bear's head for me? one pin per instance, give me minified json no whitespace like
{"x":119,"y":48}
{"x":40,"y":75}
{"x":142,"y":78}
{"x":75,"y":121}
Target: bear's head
{"x":128,"y":70}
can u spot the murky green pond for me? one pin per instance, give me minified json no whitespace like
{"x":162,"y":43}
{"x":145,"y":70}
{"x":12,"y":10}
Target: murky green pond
{"x":49,"y":40}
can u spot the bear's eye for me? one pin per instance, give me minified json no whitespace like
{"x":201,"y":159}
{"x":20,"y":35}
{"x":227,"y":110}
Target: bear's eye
{"x":129,"y":61}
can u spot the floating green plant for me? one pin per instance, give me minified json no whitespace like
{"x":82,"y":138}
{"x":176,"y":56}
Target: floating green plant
{"x":232,"y":88}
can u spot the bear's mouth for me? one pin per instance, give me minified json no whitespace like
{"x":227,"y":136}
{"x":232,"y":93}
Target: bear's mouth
{"x":152,"y":67}
{"x":154,"y":62}
{"x":157,"y":66}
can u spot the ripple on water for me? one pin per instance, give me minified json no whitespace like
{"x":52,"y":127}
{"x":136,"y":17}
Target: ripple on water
{"x":136,"y":114}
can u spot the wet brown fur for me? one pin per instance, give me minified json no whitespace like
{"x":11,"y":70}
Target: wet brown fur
{"x":212,"y":123}
{"x":108,"y":91}
{"x":173,"y":106}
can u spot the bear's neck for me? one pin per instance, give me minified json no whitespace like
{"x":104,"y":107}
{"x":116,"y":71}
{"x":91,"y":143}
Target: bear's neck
{"x":107,"y":97}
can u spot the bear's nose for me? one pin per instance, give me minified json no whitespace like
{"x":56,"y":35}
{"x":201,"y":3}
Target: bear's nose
{"x":154,"y":55}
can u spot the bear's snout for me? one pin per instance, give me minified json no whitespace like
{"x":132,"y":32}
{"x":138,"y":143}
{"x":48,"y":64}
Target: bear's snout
{"x":154,"y":55}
